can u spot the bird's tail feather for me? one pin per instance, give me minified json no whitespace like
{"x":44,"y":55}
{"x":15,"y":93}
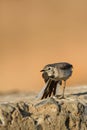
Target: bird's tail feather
{"x":39,"y":96}
{"x":51,"y":87}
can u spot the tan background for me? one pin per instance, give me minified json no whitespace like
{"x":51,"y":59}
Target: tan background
{"x":37,"y":32}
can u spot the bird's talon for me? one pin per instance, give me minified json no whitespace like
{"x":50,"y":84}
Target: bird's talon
{"x":61,"y":97}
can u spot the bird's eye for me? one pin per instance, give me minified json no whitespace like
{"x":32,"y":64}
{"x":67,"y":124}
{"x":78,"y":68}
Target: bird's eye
{"x":48,"y":68}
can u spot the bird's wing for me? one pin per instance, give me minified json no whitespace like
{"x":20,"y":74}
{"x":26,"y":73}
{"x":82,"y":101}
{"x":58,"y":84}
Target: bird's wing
{"x":41,"y":93}
{"x":65,"y":66}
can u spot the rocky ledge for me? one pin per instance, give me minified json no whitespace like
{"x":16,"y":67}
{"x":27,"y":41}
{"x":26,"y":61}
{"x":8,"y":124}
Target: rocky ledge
{"x":22,"y":111}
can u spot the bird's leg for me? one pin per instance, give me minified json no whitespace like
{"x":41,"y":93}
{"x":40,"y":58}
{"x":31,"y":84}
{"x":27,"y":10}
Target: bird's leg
{"x":64,"y":89}
{"x":62,"y":96}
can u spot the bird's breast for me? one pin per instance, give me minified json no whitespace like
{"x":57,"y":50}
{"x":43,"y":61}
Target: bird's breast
{"x":56,"y":73}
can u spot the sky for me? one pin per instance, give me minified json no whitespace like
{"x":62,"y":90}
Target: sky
{"x":35,"y":33}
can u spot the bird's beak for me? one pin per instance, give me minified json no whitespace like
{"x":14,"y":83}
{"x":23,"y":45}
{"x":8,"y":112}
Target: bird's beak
{"x":42,"y":70}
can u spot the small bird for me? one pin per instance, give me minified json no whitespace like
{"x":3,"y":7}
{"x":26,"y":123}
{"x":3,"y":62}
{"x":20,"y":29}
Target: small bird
{"x":53,"y":75}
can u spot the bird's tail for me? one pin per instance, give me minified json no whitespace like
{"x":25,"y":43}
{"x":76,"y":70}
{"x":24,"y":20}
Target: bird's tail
{"x":51,"y":88}
{"x":40,"y":95}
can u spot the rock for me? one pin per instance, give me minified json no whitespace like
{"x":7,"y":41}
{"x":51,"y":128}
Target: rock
{"x":27,"y":113}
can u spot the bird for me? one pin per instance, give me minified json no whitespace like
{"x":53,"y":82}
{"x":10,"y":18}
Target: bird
{"x":51,"y":85}
{"x":53,"y":75}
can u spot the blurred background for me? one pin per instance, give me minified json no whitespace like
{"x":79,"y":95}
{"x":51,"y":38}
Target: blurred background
{"x":34,"y":33}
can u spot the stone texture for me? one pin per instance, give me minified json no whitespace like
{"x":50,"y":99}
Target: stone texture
{"x":24,"y":112}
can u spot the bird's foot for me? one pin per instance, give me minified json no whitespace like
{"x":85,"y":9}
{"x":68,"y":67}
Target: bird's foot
{"x":57,"y":96}
{"x":61,"y":97}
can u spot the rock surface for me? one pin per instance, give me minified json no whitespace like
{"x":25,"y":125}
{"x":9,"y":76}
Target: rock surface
{"x":22,"y":111}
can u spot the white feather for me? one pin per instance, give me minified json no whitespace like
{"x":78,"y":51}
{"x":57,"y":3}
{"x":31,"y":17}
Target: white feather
{"x":57,"y":89}
{"x":39,"y":96}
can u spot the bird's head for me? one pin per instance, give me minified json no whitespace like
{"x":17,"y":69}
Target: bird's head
{"x":49,"y":70}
